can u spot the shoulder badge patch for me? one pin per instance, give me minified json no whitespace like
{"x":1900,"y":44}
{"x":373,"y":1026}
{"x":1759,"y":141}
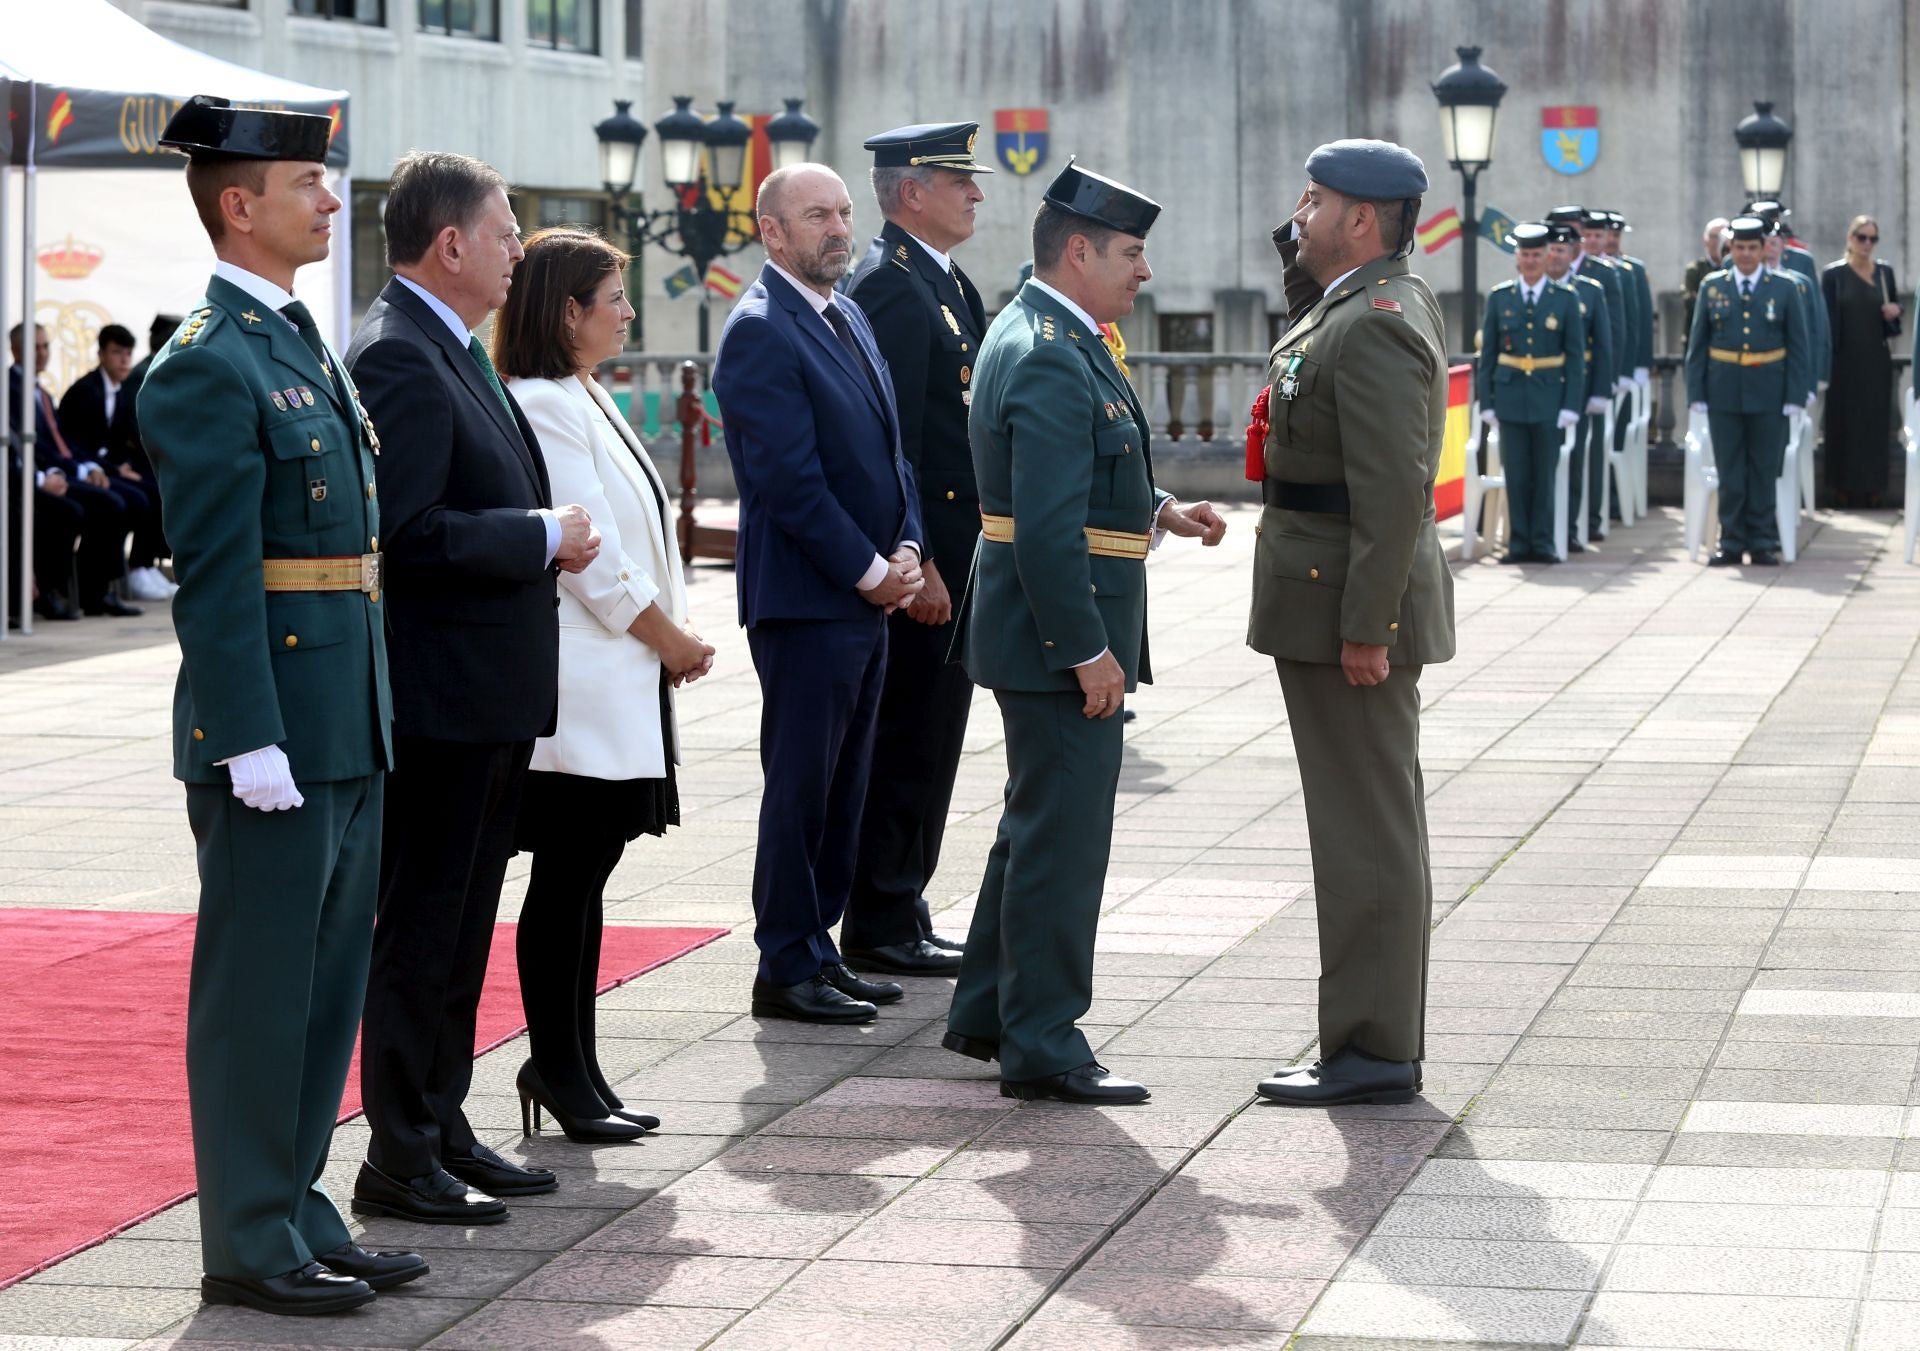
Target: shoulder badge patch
{"x":1382,"y":303}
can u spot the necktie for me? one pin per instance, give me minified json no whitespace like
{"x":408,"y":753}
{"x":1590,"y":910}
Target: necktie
{"x":493,"y":377}
{"x":837,"y":321}
{"x":53,"y":423}
{"x":301,"y":318}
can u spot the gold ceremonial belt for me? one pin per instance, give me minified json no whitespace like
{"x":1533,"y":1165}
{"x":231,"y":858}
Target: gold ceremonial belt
{"x":1528,"y":365}
{"x":349,"y":572}
{"x":1105,"y":543}
{"x":1747,"y":358}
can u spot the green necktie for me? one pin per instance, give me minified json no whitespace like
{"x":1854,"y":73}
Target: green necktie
{"x":493,"y":377}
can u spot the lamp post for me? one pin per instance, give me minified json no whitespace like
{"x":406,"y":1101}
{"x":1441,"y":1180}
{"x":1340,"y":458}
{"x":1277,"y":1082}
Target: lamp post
{"x":1763,"y":140}
{"x":1469,"y":95}
{"x":698,"y":158}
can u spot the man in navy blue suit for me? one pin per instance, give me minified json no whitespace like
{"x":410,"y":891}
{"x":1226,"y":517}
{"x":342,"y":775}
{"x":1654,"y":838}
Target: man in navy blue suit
{"x":829,"y":530}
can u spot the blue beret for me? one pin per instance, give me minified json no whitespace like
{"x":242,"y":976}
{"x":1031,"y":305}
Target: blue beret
{"x":1378,"y":171}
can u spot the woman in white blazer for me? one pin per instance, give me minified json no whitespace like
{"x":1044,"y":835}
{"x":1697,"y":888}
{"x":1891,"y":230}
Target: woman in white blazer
{"x":606,"y":775}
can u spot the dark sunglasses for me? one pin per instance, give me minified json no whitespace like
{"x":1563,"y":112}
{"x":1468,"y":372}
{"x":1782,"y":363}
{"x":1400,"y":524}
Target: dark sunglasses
{"x":1867,"y":239}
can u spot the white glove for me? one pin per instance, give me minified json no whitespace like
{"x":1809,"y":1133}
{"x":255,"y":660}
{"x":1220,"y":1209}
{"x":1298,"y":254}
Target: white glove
{"x":1811,"y":396}
{"x":263,"y":780}
{"x":1488,"y":416}
{"x":1599,"y":404}
{"x":1641,"y":375}
{"x":1566,"y":419}
{"x":1696,"y":408}
{"x":93,"y":473}
{"x":1790,"y":410}
{"x":1623,"y":384}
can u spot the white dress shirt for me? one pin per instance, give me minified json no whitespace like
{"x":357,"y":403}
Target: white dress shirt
{"x":462,"y":334}
{"x":876,"y":572}
{"x":113,"y":395}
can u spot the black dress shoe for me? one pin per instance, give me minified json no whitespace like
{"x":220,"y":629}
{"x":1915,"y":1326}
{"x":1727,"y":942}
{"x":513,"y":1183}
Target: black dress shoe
{"x":1349,"y":1075}
{"x":111,"y":604}
{"x":977,"y":1047}
{"x":1129,"y":714}
{"x":1764,"y":558}
{"x":850,"y":985}
{"x":1726,"y":558}
{"x":1092,"y":1082}
{"x":950,"y":944}
{"x":437,"y":1198}
{"x":811,"y":1001}
{"x":381,"y":1270}
{"x":53,"y":607}
{"x":922,"y":957}
{"x":486,"y":1171}
{"x":1515,"y":556}
{"x":310,"y":1290}
{"x":1574,"y":546}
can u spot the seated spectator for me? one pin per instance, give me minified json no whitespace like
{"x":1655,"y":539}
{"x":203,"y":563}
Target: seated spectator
{"x":97,"y":419}
{"x":103,"y":521}
{"x":56,"y":528}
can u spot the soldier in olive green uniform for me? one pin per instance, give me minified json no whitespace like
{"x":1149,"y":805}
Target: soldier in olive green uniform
{"x":280,"y":717}
{"x":1352,"y":597}
{"x":1748,"y":367}
{"x":1054,"y":622}
{"x":1531,"y":380}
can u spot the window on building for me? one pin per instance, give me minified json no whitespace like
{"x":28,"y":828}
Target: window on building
{"x":633,"y":29}
{"x":462,"y":18}
{"x":369,"y":245}
{"x":564,"y":25}
{"x":371,"y":12}
{"x":554,"y":208}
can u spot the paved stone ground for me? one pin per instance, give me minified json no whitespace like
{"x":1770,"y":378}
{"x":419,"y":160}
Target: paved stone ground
{"x":1676,"y":1013}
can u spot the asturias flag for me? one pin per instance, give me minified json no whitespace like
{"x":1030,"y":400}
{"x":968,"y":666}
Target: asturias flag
{"x":680,"y":282}
{"x":1495,"y":226}
{"x":1436,"y":232}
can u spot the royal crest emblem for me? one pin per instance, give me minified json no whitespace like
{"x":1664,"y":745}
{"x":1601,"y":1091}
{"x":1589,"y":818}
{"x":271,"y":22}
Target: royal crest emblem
{"x":1570,"y":137}
{"x":1020,"y":138}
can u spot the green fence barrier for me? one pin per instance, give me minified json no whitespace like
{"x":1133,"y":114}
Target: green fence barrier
{"x":651,"y":427}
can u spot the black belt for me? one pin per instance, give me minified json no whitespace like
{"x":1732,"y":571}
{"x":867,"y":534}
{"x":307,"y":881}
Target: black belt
{"x":1325,"y":497}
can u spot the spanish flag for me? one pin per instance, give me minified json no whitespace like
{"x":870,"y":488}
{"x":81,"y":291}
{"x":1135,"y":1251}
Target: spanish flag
{"x":1449,"y":486}
{"x":1436,"y":232}
{"x":722,"y":282}
{"x":59,"y":116}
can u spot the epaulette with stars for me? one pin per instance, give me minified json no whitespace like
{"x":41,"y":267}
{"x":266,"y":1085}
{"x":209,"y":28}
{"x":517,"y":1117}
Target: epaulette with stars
{"x":197,"y":323}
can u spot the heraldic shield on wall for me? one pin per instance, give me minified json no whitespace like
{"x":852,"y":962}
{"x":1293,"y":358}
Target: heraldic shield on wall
{"x":1570,"y":137}
{"x":1020,"y":138}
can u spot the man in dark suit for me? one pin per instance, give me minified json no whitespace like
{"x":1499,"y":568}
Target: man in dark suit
{"x":472,"y":543}
{"x":103,"y":520}
{"x":829,"y":531}
{"x":928,"y":322}
{"x":97,"y":419}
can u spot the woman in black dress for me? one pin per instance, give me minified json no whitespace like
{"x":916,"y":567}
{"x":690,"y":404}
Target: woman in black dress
{"x":1860,"y":298}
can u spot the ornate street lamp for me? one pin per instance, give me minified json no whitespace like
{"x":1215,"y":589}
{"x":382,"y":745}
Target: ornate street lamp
{"x":1763,"y":140}
{"x":1469,"y":95}
{"x":699,"y":158}
{"x":791,"y":135}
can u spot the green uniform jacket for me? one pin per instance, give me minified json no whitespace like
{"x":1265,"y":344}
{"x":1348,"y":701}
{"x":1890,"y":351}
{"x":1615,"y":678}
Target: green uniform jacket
{"x":1557,"y":327}
{"x":1059,"y":444}
{"x":1771,"y":319}
{"x":1813,"y":308}
{"x":1593,"y":314}
{"x":1369,"y":409}
{"x":1643,"y":313}
{"x":258,"y":458}
{"x":1612,"y":281}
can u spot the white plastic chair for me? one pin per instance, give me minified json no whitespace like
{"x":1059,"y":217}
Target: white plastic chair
{"x":1910,"y":435}
{"x":1617,"y":482}
{"x":1810,"y":436}
{"x":1477,"y":489}
{"x":1603,"y":447}
{"x":1638,"y":438}
{"x":1700,"y":492}
{"x":1788,"y":488}
{"x":1562,"y":472}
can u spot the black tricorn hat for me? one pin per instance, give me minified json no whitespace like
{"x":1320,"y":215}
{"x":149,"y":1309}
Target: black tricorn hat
{"x":1114,"y":205}
{"x":209,"y":128}
{"x":1748,"y":227}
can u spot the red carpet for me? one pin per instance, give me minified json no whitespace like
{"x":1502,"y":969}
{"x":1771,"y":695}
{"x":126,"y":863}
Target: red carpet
{"x":93,"y":1106}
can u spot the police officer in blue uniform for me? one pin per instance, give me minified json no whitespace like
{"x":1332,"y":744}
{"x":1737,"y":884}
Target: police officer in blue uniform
{"x":1531,"y":380}
{"x":1749,"y":366}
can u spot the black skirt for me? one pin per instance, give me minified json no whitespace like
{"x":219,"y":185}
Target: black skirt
{"x":556,"y":809}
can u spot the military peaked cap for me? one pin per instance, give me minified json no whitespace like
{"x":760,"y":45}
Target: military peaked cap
{"x":209,"y":128}
{"x":1378,"y":171}
{"x":1562,"y":232}
{"x":1767,"y":209}
{"x":1567,"y":215}
{"x":938,"y":145}
{"x":1748,"y":227}
{"x":1530,"y":235}
{"x":1114,"y":205}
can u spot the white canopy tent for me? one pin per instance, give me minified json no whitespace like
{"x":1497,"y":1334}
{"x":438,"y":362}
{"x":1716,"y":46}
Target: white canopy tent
{"x":88,"y":90}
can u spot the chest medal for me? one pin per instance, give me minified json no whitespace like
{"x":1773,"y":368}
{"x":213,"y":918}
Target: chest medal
{"x":1770,"y":318}
{"x":1553,"y":322}
{"x":1289,"y":383}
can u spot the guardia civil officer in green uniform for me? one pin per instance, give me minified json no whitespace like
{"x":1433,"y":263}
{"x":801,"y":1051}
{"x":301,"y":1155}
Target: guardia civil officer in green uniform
{"x":280,"y":715}
{"x":1531,"y":380}
{"x":1589,"y":462}
{"x":1782,"y":254}
{"x":1352,"y":598}
{"x":1639,"y":363}
{"x":1054,"y":622}
{"x":1749,"y":365}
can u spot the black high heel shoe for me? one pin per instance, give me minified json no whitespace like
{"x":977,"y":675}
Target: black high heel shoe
{"x":645,"y":1120}
{"x":535,"y":1099}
